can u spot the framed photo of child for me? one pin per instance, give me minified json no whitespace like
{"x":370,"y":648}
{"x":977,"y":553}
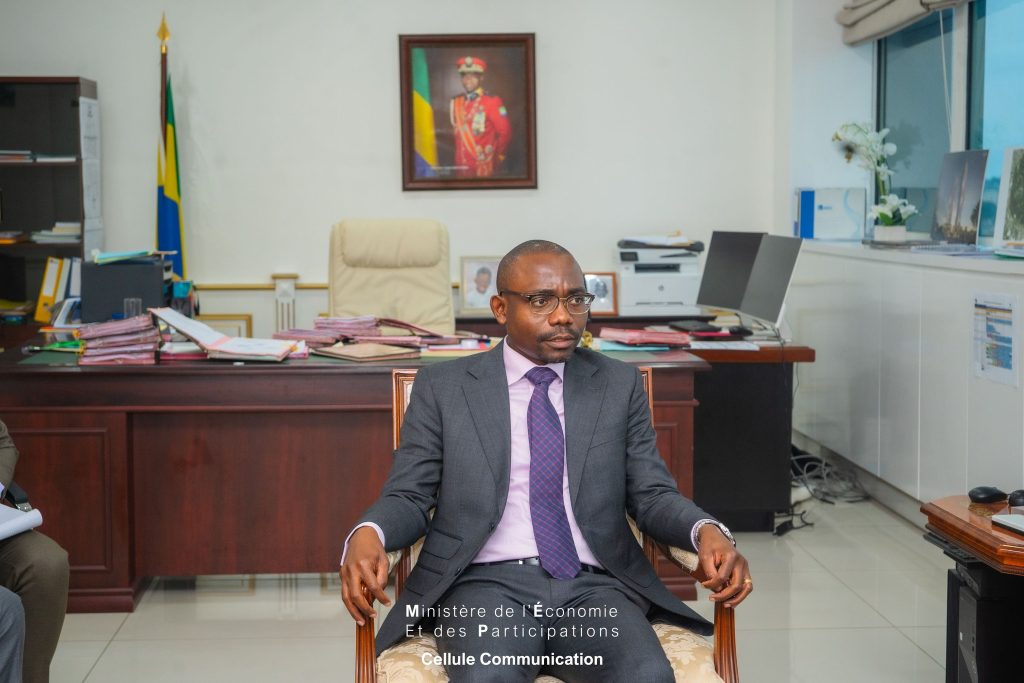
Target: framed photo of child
{"x":478,"y":283}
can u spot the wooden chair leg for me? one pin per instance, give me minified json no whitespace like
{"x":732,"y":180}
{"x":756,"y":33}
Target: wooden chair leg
{"x":366,"y":650}
{"x":725,"y":644}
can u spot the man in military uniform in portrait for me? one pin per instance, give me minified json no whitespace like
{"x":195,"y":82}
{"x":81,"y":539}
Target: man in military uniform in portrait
{"x":482,"y":130}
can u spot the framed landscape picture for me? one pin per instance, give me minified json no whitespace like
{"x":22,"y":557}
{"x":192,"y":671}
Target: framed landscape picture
{"x":468,"y":118}
{"x":1009,"y":225}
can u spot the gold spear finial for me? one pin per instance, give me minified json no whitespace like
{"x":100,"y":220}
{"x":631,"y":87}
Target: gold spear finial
{"x":163,"y":33}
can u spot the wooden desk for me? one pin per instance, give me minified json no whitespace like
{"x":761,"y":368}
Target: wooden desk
{"x":213,"y":468}
{"x":968,"y":526}
{"x":984,"y":594}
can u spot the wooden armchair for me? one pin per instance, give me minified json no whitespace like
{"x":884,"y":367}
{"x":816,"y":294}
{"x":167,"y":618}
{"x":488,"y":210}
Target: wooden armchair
{"x":700,"y":660}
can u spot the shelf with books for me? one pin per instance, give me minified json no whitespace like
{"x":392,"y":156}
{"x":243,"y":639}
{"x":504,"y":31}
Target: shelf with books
{"x":41,"y":163}
{"x":49,"y":176}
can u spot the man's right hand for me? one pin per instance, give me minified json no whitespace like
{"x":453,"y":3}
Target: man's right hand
{"x":365,"y":565}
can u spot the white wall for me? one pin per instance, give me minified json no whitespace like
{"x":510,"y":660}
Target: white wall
{"x":651,"y":116}
{"x":821,"y":84}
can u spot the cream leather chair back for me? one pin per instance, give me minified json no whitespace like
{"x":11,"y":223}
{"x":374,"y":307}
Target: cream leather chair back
{"x":392,"y":268}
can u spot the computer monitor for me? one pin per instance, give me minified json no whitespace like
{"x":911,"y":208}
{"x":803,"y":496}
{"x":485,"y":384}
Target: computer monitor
{"x":748,"y":272}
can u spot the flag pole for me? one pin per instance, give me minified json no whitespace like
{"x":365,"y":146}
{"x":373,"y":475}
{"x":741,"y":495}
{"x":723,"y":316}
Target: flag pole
{"x":164,"y":35}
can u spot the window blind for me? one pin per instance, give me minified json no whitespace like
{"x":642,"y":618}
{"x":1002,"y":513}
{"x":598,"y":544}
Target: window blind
{"x":867,"y":20}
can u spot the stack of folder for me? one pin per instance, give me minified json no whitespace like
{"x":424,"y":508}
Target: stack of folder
{"x":132,"y":341}
{"x":645,"y":337}
{"x":362,"y":326}
{"x":314,"y":338}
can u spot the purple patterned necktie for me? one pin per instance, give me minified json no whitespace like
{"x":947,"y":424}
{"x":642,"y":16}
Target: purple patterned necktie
{"x":547,"y":459}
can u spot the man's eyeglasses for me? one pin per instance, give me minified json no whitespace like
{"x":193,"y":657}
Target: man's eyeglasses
{"x":544,"y":304}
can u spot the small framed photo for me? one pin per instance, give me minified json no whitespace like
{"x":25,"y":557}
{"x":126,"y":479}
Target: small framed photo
{"x":602,"y":286}
{"x":478,"y":283}
{"x":468,"y":119}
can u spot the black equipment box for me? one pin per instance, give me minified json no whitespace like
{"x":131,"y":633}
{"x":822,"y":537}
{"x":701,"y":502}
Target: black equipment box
{"x":104,"y":288}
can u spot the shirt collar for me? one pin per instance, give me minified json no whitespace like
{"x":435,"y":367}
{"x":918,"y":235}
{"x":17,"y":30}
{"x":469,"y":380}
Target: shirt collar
{"x":517,"y":365}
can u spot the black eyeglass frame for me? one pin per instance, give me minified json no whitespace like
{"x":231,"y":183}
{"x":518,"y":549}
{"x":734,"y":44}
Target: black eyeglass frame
{"x":588,"y":301}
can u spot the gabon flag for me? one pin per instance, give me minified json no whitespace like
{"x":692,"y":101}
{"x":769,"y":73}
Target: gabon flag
{"x":169,"y":227}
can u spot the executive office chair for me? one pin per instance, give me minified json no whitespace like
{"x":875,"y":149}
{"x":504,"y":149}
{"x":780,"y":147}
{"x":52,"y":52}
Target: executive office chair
{"x":692,"y":657}
{"x":392,"y":268}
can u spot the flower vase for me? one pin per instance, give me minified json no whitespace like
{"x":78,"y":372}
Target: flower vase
{"x":890,"y":233}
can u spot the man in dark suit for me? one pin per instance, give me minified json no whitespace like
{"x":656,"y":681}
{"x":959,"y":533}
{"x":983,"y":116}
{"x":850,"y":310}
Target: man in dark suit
{"x":531,"y":456}
{"x":36,"y":568}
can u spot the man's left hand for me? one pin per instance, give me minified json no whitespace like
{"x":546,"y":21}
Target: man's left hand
{"x":726,"y":571}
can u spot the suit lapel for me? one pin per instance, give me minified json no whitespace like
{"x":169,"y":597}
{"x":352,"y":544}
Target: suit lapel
{"x":582,"y":395}
{"x":486,"y":391}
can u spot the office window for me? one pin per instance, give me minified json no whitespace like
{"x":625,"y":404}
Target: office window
{"x":912,"y":104}
{"x":996,"y":100}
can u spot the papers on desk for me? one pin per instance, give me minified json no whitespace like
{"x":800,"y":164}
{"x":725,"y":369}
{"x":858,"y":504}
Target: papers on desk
{"x":13,"y":521}
{"x":218,"y":345}
{"x":725,"y":345}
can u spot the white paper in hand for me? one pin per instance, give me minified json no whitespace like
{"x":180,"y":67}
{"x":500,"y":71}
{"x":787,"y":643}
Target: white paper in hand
{"x":13,"y":522}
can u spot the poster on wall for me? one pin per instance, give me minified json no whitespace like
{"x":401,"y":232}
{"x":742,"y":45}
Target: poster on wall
{"x":996,"y":337}
{"x":468,"y":119}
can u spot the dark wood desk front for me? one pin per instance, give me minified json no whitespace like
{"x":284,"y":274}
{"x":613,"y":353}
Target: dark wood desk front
{"x":213,"y":468}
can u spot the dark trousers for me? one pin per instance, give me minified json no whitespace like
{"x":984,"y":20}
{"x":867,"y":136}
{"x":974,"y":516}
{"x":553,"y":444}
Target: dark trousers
{"x":35,"y":568}
{"x":591,"y":628}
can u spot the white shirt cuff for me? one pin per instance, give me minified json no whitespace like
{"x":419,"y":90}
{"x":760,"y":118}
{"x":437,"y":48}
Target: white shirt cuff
{"x":694,"y":533}
{"x":380,"y":535}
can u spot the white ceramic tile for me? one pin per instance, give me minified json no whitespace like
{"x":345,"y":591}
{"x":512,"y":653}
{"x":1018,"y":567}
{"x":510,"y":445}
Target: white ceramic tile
{"x":74,"y":659}
{"x":866,"y":548}
{"x":287,"y":607}
{"x":879,"y":655}
{"x":804,"y":600}
{"x":99,"y":626}
{"x":931,"y":639}
{"x":767,"y":553}
{"x":903,"y":601}
{"x":248,"y":660}
{"x":913,"y":539}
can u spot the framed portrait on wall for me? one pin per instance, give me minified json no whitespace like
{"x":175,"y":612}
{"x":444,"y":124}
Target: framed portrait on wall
{"x":602,"y":286}
{"x":468,"y":119}
{"x":477,"y":284}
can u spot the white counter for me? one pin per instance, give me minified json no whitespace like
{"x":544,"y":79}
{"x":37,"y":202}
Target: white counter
{"x":977,"y":264}
{"x":893,"y":388}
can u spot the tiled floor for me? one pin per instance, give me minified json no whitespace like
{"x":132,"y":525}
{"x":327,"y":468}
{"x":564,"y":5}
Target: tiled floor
{"x":858,"y":597}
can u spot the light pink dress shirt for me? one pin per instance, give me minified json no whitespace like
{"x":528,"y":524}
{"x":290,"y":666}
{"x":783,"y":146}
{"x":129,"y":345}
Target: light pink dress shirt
{"x":513,"y":538}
